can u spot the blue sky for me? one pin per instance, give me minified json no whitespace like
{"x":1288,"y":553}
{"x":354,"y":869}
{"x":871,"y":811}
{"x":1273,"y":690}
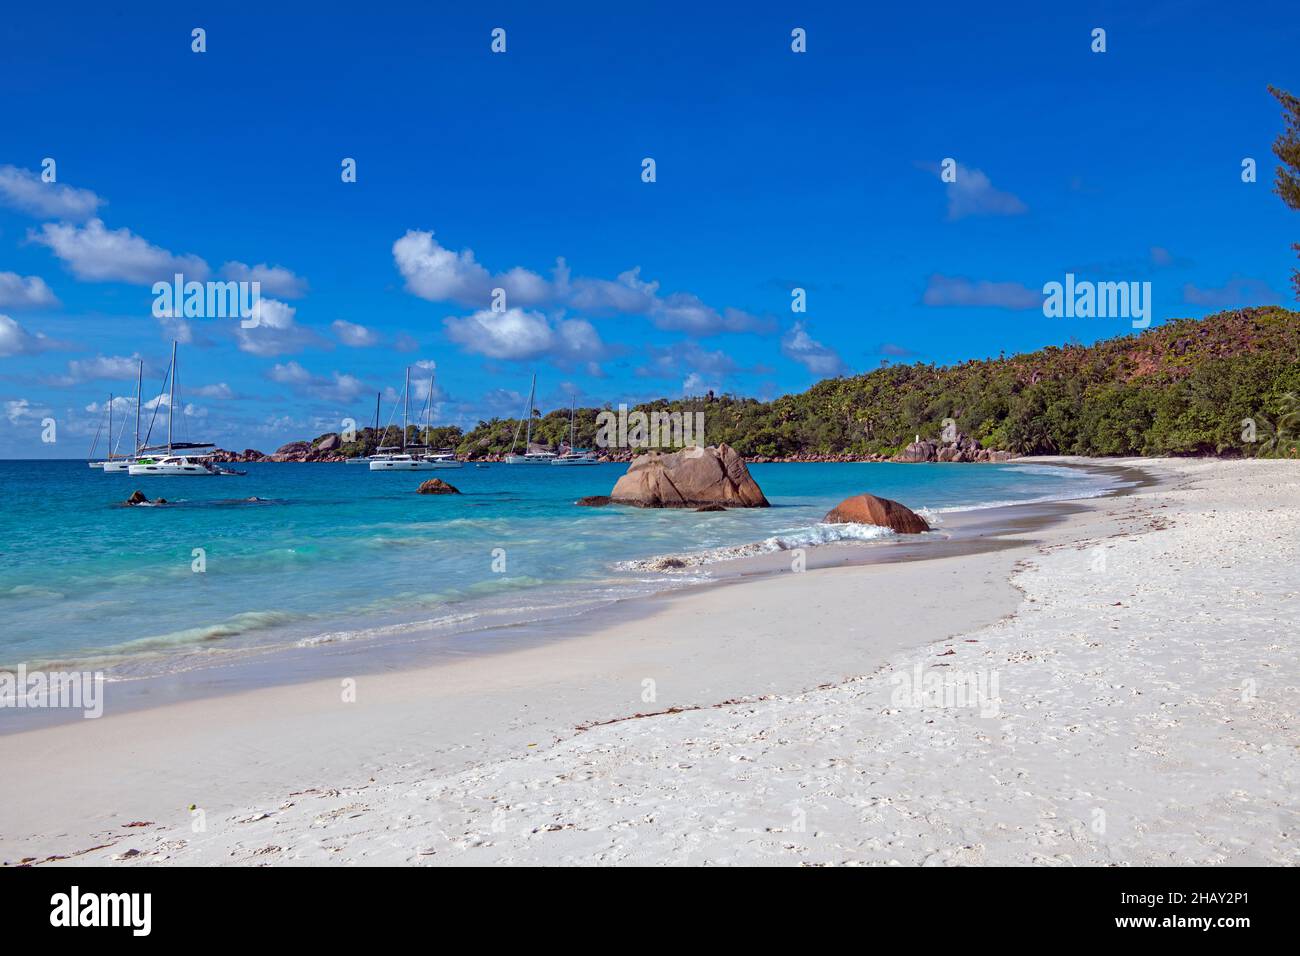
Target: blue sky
{"x":478,"y":170}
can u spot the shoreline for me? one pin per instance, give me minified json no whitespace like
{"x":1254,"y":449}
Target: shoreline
{"x":224,"y":753}
{"x":407,"y":645}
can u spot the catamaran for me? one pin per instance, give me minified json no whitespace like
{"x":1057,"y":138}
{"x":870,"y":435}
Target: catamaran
{"x":162,"y":460}
{"x":406,"y":457}
{"x":531,"y":456}
{"x":122,"y":465}
{"x":109,"y":443}
{"x":575,"y":456}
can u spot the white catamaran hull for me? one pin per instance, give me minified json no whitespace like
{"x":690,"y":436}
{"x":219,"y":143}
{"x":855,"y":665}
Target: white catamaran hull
{"x":529,"y":459}
{"x":407,"y":465}
{"x":574,"y":461}
{"x":170,"y":468}
{"x":121,"y":466}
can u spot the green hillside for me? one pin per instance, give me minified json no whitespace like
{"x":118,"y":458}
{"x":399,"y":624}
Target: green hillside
{"x":1183,"y":388}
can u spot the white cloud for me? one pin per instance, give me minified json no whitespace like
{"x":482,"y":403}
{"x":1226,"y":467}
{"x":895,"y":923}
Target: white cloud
{"x":628,"y":293}
{"x":110,"y":367}
{"x":357,"y":336}
{"x":439,"y":274}
{"x":275,"y":280}
{"x":973,"y":194}
{"x":953,"y":290}
{"x":339,"y":387}
{"x":21,"y":411}
{"x":670,"y":361}
{"x":276,"y":332}
{"x":30,"y":292}
{"x":178,"y":329}
{"x":684,"y":312}
{"x":290,"y":373}
{"x":696,"y":384}
{"x":220,"y":390}
{"x":123,"y":405}
{"x":15,"y":340}
{"x":97,"y":254}
{"x":519,"y":334}
{"x":436,"y":273}
{"x":798,"y":346}
{"x":24,"y":190}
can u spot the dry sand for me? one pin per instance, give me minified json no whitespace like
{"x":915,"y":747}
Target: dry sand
{"x":1135,"y":672}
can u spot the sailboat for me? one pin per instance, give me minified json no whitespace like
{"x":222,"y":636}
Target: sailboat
{"x":162,"y":460}
{"x":408,"y":457}
{"x":122,"y":465}
{"x":443,"y":457}
{"x":529,"y":457}
{"x":575,"y":456}
{"x":109,"y":443}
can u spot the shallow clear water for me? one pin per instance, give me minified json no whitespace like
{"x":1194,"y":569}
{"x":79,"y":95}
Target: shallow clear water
{"x":333,"y":552}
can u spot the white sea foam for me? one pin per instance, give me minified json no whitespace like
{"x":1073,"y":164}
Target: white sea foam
{"x":809,"y":537}
{"x":231,"y":627}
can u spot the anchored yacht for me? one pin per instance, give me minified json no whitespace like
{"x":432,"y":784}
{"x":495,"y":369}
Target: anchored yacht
{"x":531,"y":455}
{"x":161,"y":461}
{"x":406,"y":457}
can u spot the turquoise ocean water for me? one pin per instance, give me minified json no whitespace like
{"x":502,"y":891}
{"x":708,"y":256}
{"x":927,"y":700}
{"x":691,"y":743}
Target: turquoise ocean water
{"x":334,"y":552}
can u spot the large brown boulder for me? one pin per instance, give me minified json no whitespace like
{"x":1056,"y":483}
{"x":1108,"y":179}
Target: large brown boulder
{"x":689,"y":479}
{"x":436,"y":486}
{"x":868,"y":509}
{"x":328,"y":443}
{"x":918,"y":451}
{"x":293,"y":451}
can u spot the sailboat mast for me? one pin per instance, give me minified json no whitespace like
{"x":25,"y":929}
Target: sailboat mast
{"x":573,"y":406}
{"x":532,"y":394}
{"x":428,"y":418}
{"x":171,"y":400}
{"x":406,"y":404}
{"x":110,"y":426}
{"x":139,"y":383}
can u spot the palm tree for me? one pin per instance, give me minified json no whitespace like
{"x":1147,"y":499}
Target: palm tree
{"x":1284,"y":433}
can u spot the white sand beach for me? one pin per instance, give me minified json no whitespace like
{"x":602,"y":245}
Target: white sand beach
{"x":1119,"y":688}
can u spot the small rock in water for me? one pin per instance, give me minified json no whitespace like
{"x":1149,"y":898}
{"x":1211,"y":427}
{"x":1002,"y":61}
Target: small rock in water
{"x":436,"y":486}
{"x":665,"y":564}
{"x":711,"y":508}
{"x":137,"y":498}
{"x":593,"y":501}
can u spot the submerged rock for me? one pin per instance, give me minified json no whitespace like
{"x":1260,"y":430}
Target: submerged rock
{"x":593,"y":501}
{"x":868,"y":509}
{"x":710,"y":508}
{"x":137,"y":498}
{"x":689,"y":479}
{"x":436,"y":486}
{"x":666,"y":563}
